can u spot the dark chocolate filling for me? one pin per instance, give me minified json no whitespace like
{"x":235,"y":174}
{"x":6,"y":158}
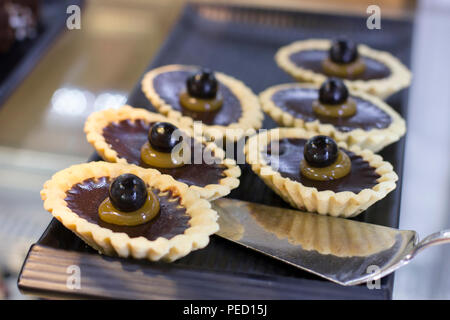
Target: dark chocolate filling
{"x":85,"y":197}
{"x":127,"y":137}
{"x":361,"y":176}
{"x":312,"y":60}
{"x":169,"y":85}
{"x":298,"y":103}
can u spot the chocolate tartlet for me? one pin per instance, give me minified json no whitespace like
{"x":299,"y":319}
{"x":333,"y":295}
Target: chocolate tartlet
{"x":120,"y":135}
{"x":181,"y":223}
{"x":362,"y":68}
{"x":372,"y":125}
{"x":221,"y":102}
{"x":312,"y":173}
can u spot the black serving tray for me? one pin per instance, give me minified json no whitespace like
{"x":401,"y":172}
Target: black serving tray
{"x":23,"y":56}
{"x":241,"y":42}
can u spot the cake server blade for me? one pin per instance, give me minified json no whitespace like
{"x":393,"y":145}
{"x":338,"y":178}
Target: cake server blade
{"x":344,"y":251}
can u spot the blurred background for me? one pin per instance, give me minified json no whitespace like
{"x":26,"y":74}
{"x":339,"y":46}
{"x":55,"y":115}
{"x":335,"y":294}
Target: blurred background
{"x":41,"y":122}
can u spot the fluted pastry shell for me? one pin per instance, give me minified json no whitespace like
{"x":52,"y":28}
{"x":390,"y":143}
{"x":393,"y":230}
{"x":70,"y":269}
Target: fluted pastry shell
{"x":250,"y":119}
{"x":97,"y":121}
{"x":338,"y":204}
{"x":399,"y":78}
{"x":203,"y":221}
{"x":373,"y":139}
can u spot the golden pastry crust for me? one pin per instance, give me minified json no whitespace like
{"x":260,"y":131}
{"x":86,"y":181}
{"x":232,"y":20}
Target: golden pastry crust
{"x":374,"y":139}
{"x":251,"y":117}
{"x":340,"y":204}
{"x":203,"y":222}
{"x":97,"y":121}
{"x":399,"y":78}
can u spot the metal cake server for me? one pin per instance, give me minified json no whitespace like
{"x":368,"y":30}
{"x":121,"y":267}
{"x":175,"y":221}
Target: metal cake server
{"x":343,"y":251}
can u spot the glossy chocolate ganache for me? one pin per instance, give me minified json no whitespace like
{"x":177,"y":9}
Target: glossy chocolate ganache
{"x":85,"y":197}
{"x":169,"y":86}
{"x":298,"y":102}
{"x":128,"y":136}
{"x":313,"y":59}
{"x":287,"y":163}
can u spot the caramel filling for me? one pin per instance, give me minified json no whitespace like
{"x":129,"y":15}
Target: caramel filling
{"x":346,"y":109}
{"x":340,"y":168}
{"x":108,"y":213}
{"x":200,"y":105}
{"x":159,"y":159}
{"x":347,"y":70}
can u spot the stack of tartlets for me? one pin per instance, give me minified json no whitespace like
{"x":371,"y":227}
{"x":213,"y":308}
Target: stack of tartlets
{"x":342,"y":93}
{"x":150,"y":197}
{"x":325,"y":162}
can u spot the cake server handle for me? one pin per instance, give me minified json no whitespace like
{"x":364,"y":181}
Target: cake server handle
{"x":436,"y":238}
